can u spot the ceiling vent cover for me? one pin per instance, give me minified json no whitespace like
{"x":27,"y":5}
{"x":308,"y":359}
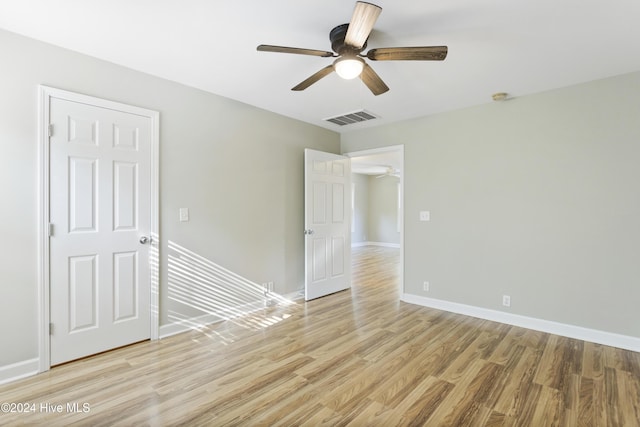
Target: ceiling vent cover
{"x":351,"y":118}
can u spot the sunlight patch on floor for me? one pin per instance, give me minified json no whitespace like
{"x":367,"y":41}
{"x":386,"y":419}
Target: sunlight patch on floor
{"x":218,"y":294}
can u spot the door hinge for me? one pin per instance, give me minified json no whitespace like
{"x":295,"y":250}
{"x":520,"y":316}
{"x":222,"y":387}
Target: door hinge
{"x":50,"y":130}
{"x":50,"y":328}
{"x":50,"y":229}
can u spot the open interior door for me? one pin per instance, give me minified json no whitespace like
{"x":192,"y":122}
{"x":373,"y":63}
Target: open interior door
{"x":327,"y":184}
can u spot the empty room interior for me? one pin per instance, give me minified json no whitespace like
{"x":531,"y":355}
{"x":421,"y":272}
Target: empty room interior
{"x":320,"y":213}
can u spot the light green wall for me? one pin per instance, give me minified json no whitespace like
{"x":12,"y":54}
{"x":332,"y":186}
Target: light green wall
{"x":383,"y":210}
{"x":376,"y":213}
{"x":237,"y":168}
{"x":537,"y":197}
{"x":359,"y":233}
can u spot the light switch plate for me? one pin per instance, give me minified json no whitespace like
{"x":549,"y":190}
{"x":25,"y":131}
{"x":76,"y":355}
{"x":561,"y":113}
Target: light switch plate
{"x":425,"y":216}
{"x":184,"y":214}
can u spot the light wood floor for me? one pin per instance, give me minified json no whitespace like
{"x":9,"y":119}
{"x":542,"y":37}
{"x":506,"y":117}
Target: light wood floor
{"x":359,"y":357}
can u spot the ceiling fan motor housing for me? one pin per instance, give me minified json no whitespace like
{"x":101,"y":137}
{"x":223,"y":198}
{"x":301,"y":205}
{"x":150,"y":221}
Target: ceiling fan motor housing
{"x":337,"y":36}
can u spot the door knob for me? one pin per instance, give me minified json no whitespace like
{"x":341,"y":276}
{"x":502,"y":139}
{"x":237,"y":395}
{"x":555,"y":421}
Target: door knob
{"x":308,"y":231}
{"x":144,"y":240}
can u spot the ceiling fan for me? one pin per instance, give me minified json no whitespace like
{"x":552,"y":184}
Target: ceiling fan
{"x":348,"y":41}
{"x":391,"y":171}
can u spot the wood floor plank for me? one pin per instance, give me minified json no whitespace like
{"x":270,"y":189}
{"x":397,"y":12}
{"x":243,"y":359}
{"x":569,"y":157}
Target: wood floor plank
{"x":629,"y":388}
{"x":424,"y":401}
{"x":457,"y":403}
{"x":592,"y":363}
{"x":407,"y":378}
{"x":550,"y":408}
{"x":358,"y":357}
{"x":519,"y":391}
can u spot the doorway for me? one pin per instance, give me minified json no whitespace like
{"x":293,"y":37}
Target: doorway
{"x":377,"y":197}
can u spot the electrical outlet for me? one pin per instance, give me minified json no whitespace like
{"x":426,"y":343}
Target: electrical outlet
{"x":425,"y":286}
{"x":506,"y":300}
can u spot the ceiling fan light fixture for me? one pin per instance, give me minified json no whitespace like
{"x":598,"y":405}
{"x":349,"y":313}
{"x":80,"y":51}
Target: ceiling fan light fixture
{"x":348,"y":67}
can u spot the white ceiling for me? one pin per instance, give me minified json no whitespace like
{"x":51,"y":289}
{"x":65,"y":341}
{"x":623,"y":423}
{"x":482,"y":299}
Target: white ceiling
{"x":514,"y":46}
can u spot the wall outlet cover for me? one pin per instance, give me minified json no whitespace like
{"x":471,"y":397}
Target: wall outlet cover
{"x":184,"y":214}
{"x":506,"y":300}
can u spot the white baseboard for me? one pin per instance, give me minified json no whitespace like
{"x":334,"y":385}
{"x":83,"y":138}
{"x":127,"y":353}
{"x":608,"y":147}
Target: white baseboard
{"x":577,"y":332}
{"x":184,"y":325}
{"x":19,"y":370}
{"x":294,"y":296}
{"x":386,"y":245}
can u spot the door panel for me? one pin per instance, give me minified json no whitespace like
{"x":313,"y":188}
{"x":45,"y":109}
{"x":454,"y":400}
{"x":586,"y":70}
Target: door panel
{"x":125,"y":286}
{"x":338,"y":256}
{"x":327,"y":224}
{"x":100,"y":206}
{"x":125,"y":137}
{"x":82,"y":131}
{"x":338,"y":203}
{"x":82,"y":194}
{"x":83,"y":286}
{"x":319,"y":259}
{"x":125,"y":195}
{"x":319,"y":203}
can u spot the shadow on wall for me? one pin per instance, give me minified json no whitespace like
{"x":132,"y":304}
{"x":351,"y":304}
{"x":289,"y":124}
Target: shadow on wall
{"x":217,"y":293}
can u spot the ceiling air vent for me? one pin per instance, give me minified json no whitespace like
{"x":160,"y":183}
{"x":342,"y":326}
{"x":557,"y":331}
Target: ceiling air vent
{"x":351,"y":118}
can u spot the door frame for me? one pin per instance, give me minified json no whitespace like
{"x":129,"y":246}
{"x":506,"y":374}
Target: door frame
{"x":45,"y":94}
{"x":386,"y":149}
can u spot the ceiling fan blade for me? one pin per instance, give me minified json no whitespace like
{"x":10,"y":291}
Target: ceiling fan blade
{"x":421,"y":53}
{"x":362,"y":21}
{"x":373,"y":81}
{"x":314,"y":78}
{"x":296,"y":50}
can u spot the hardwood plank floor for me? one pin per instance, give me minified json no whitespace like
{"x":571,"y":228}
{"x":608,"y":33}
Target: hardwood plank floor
{"x":358,"y":357}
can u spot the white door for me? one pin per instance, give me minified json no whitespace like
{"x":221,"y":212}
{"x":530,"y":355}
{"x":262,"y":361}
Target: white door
{"x":100,"y":201}
{"x":327,"y":183}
